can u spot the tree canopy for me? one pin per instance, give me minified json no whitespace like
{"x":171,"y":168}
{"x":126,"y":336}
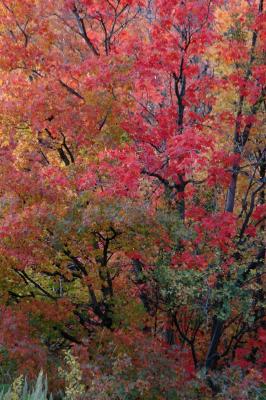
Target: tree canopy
{"x":132,"y":194}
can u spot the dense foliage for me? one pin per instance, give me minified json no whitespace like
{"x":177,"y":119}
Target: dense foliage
{"x":132,"y":196}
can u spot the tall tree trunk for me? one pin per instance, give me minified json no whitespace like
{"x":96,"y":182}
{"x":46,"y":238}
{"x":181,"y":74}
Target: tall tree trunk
{"x":240,"y":139}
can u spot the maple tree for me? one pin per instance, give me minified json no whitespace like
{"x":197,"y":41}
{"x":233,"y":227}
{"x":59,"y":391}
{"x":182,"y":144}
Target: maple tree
{"x":132,"y":189}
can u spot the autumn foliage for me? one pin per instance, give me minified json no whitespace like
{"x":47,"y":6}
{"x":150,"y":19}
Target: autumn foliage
{"x":132,"y":195}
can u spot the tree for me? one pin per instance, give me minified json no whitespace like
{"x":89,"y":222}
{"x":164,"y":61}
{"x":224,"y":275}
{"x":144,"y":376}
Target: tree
{"x":132,"y":178}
